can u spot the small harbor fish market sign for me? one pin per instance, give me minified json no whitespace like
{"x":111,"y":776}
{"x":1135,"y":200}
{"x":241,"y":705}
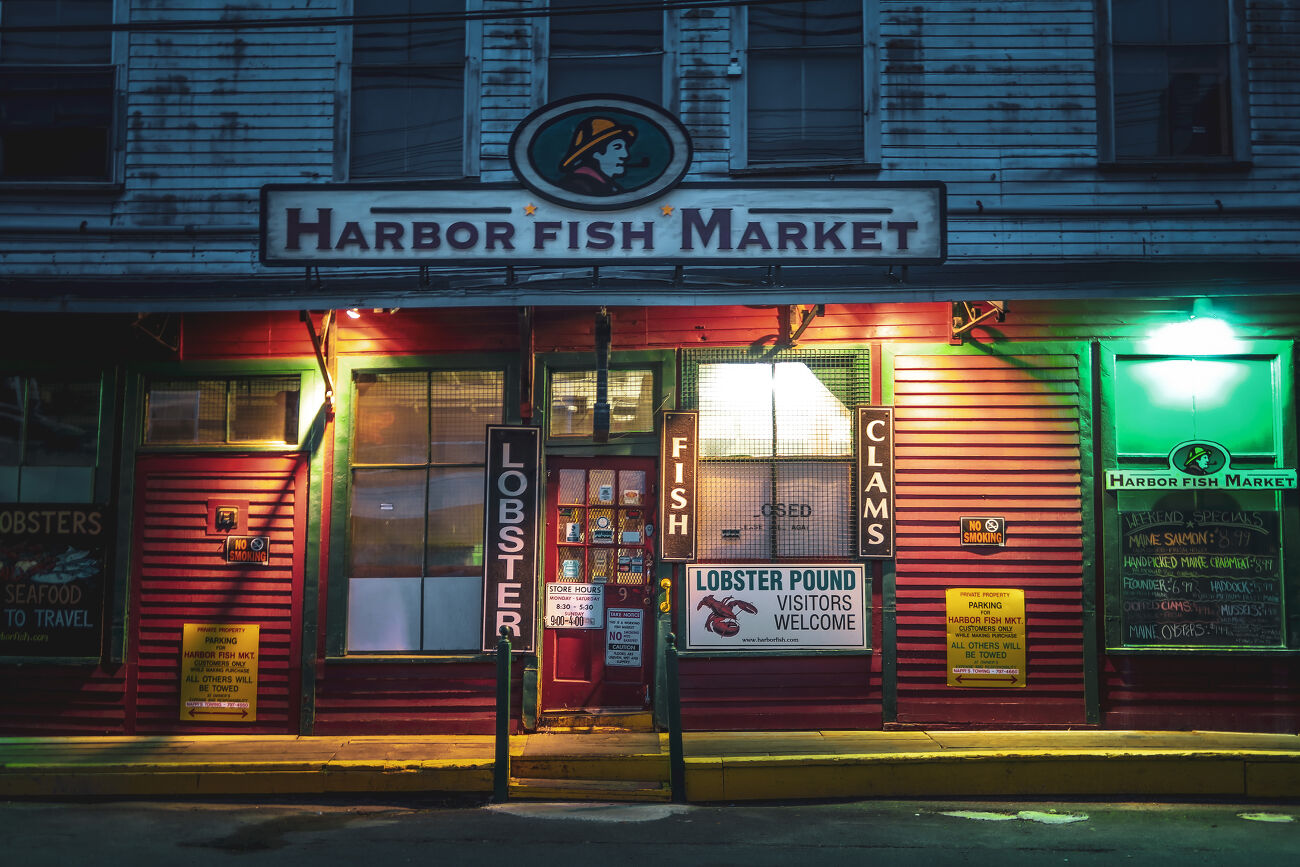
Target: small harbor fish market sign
{"x":599,"y":177}
{"x":1201,"y":464}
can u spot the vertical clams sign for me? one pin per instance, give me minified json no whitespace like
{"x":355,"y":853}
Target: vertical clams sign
{"x":510,"y":505}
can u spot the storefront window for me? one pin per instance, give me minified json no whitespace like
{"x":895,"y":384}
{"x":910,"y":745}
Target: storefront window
{"x":415,"y":554}
{"x":776,"y":455}
{"x":573,"y":399}
{"x":49,"y":438}
{"x":1197,"y":555}
{"x":246,"y":409}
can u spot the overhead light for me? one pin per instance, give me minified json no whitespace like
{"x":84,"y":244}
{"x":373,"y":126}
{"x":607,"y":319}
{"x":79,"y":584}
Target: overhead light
{"x":354,"y":313}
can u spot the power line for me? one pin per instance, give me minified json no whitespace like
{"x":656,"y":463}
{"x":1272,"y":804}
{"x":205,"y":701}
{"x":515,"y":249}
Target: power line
{"x":409,"y":18}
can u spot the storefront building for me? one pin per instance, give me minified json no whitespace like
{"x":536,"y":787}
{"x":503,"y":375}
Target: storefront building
{"x":906,"y":366}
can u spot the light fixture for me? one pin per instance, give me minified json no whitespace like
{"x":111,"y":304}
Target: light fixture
{"x":354,"y":313}
{"x":1201,"y":333}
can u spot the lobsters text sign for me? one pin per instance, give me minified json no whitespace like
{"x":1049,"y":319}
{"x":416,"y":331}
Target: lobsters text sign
{"x":790,"y":606}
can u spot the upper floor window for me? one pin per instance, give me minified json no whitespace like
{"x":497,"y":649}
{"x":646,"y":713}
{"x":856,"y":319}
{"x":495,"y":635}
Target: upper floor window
{"x":1173,"y":91}
{"x":602,"y":49}
{"x":56,"y":91}
{"x":802,"y":74}
{"x":409,"y":85}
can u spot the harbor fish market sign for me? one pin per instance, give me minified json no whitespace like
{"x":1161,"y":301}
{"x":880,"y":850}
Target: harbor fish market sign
{"x":599,"y":180}
{"x":1200,"y":464}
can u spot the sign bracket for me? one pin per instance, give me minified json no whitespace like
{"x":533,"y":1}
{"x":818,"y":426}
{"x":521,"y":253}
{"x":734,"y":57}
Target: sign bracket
{"x":967,"y":314}
{"x":321,"y":343}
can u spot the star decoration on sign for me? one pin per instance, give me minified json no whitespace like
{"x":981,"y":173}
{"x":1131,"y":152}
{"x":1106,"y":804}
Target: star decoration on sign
{"x":529,"y":210}
{"x":667,"y":209}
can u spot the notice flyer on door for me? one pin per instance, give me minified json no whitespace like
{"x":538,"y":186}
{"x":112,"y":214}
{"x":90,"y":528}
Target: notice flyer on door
{"x":818,"y":606}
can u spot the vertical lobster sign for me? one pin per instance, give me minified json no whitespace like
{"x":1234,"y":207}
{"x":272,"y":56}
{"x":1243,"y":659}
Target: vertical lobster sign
{"x":678,"y":450}
{"x":510,"y":519}
{"x":876,"y":482}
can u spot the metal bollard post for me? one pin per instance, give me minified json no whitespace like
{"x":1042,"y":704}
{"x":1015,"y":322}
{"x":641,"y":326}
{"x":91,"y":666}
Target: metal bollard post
{"x":501,"y":765}
{"x":676,"y":757}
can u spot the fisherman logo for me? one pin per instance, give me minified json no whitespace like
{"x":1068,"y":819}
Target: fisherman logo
{"x":1198,"y":458}
{"x":599,"y":152}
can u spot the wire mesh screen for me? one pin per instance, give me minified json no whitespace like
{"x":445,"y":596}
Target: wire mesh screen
{"x":776,"y":451}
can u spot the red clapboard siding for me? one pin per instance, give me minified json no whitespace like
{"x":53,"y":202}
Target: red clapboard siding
{"x":62,"y":700}
{"x":180,"y":576}
{"x":989,"y":435}
{"x":796,"y":692}
{"x":1217,"y":693}
{"x":394,"y":698}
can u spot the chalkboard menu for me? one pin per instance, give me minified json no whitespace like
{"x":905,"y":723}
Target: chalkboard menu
{"x":52,"y":574}
{"x":1201,"y":578}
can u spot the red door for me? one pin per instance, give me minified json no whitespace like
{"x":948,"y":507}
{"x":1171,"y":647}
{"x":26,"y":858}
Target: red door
{"x":185,"y":508}
{"x":598,"y":616}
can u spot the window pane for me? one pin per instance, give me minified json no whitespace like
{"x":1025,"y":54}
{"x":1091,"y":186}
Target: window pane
{"x":639,"y":76}
{"x":453,"y":613}
{"x":399,"y":43}
{"x":55,"y":124}
{"x":735,"y":403}
{"x":1141,"y":80}
{"x":1161,"y":402}
{"x":56,"y":484}
{"x":735,"y":524}
{"x":810,"y":419}
{"x":12,"y":389}
{"x":1139,"y":21}
{"x":1203,"y":21}
{"x":812,"y":24}
{"x":573,"y":396}
{"x":407,"y":121}
{"x":464,"y":403}
{"x":795,"y":114}
{"x":387,"y":522}
{"x":384,"y":614}
{"x":392,"y":418}
{"x":1198,"y":101}
{"x":264,"y":409}
{"x":192,"y":411}
{"x":455,"y":522}
{"x":62,"y":422}
{"x":66,"y":45}
{"x":816,"y":500}
{"x":582,"y":52}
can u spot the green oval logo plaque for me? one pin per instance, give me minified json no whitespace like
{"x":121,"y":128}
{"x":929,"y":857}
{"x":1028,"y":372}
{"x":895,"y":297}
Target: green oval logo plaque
{"x":599,"y":152}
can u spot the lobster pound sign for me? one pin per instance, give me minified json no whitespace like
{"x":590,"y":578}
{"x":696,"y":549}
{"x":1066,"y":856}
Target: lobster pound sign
{"x":722,"y":620}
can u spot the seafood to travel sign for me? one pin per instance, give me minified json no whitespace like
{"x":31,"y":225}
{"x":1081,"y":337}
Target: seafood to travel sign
{"x":219,"y":672}
{"x":986,"y":637}
{"x":52,"y":576}
{"x":787,"y":606}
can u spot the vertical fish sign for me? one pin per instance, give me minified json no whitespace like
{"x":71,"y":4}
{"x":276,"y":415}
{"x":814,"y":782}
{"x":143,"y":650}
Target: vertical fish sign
{"x":678,"y":451}
{"x":876,"y":482}
{"x":510,"y":515}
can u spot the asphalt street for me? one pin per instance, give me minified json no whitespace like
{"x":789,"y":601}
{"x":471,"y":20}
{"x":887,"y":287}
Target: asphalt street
{"x":406,"y":831}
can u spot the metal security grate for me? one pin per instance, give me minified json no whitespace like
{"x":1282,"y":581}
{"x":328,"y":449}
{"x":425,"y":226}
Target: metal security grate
{"x":776,"y":476}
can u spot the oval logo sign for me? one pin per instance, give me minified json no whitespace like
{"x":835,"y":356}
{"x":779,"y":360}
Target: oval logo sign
{"x":599,"y":152}
{"x":1198,"y":458}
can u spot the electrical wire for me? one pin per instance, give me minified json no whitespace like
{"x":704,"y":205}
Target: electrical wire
{"x":408,"y":18}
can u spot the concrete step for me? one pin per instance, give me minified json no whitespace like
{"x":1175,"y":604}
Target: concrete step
{"x":595,"y":767}
{"x":533,"y":789}
{"x":596,"y":721}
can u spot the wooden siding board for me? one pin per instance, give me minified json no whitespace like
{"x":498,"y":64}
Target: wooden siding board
{"x":945,"y":400}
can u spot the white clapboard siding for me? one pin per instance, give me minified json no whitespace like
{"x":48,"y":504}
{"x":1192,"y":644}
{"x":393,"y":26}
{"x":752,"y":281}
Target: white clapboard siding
{"x":996,"y":98}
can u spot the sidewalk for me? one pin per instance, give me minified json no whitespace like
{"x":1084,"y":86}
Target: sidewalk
{"x":720,"y":766}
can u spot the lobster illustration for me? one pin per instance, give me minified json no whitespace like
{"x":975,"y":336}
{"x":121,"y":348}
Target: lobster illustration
{"x":723,"y":619}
